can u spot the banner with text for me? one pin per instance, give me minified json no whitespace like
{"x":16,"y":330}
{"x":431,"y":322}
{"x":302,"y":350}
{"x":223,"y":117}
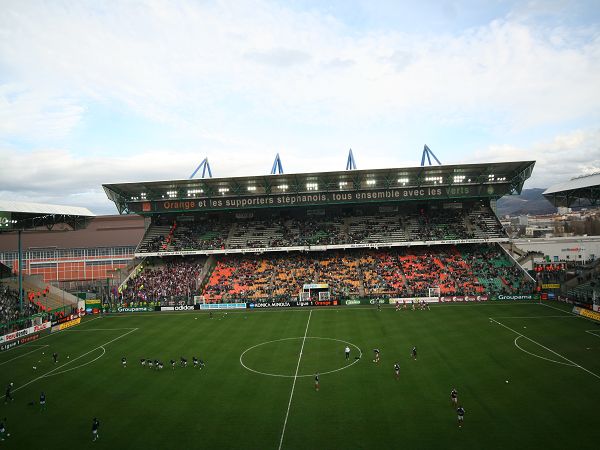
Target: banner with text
{"x":321,"y":198}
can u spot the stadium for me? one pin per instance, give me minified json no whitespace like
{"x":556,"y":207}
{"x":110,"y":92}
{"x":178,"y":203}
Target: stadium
{"x":319,"y":310}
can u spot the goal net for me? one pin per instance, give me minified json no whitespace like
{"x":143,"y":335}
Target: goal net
{"x":323,"y":296}
{"x":435,"y":292}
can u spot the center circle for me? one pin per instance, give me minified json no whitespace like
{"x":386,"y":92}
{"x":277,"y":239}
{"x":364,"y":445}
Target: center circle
{"x":339,"y":351}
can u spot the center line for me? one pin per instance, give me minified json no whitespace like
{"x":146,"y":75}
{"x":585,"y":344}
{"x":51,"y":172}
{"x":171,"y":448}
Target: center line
{"x":294,"y":383}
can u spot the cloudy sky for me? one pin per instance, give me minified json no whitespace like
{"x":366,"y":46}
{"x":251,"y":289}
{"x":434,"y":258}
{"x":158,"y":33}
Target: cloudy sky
{"x":97,"y":92}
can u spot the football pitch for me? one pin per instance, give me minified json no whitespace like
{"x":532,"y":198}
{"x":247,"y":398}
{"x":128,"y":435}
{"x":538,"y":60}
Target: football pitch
{"x":527,"y":374}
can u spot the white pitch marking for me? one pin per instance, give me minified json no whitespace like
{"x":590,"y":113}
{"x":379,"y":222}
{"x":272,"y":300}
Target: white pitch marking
{"x":24,"y":354}
{"x":538,"y":356}
{"x":28,"y":345}
{"x":593,"y":332}
{"x":294,"y":383}
{"x":537,"y":317}
{"x":550,"y":350}
{"x":100,"y":329}
{"x":571,"y":313}
{"x":299,"y":376}
{"x":80,"y":365}
{"x":47,"y":336}
{"x":70,"y":361}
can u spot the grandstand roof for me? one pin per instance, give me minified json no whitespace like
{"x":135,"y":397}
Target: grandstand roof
{"x":101,"y":231}
{"x":23,"y":215}
{"x":150,"y":197}
{"x":575,"y":192}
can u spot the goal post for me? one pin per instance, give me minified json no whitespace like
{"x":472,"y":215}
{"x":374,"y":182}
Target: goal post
{"x":324,"y":296}
{"x":435,"y":292}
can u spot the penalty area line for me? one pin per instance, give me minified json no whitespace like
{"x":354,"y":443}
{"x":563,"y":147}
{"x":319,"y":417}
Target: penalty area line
{"x":294,"y":383}
{"x":549,"y":349}
{"x":71,"y":361}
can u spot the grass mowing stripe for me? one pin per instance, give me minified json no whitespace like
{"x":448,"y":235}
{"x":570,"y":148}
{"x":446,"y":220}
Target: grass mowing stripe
{"x":550,"y":350}
{"x":294,"y":383}
{"x":72,"y":360}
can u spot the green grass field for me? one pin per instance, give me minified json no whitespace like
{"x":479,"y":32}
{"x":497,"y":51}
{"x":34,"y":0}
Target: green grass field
{"x":550,"y":402}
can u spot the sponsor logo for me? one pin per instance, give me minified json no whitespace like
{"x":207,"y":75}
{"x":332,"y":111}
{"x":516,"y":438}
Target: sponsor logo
{"x":72,"y":323}
{"x":223,"y":306}
{"x":30,"y":338}
{"x":352,"y":302}
{"x":272,"y":305}
{"x":177,"y":308}
{"x":551,"y":286}
{"x":517,"y":297}
{"x":325,"y":302}
{"x":377,"y":300}
{"x":41,"y":327}
{"x":64,"y":319}
{"x":24,"y":332}
{"x":589,"y":314}
{"x":133,"y":309}
{"x":8,"y":346}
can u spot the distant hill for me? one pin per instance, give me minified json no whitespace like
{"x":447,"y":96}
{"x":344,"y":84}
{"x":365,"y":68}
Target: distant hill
{"x":531,"y":201}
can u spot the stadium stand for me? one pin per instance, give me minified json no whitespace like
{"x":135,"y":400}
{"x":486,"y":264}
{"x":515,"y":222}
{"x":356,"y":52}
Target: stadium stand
{"x":408,"y":224}
{"x":172,"y":281}
{"x":402,"y":272}
{"x":10,"y":313}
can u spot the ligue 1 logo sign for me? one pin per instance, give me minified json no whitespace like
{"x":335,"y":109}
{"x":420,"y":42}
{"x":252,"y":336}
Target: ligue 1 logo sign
{"x":4,"y":222}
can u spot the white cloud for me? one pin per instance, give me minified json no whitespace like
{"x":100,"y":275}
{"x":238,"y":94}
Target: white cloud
{"x":254,"y":77}
{"x":30,"y":112}
{"x":557,"y":160}
{"x":173,"y":62}
{"x":58,"y":176}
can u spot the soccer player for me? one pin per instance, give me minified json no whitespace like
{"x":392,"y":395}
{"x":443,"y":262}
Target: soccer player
{"x":143,"y":361}
{"x":124,"y":362}
{"x":156,"y":364}
{"x":3,"y":429}
{"x":454,"y":397}
{"x":378,"y":305}
{"x":461,"y":415}
{"x":160,"y":365}
{"x":201,"y":363}
{"x":95,"y":428}
{"x":404,"y":304}
{"x":347,"y":352}
{"x":397,"y":370}
{"x":195,"y":360}
{"x":376,"y":354}
{"x":55,"y":357}
{"x":8,"y":395}
{"x":42,"y":402}
{"x":412,"y":303}
{"x":317,"y":381}
{"x":173,"y":364}
{"x":150,"y":363}
{"x":414,"y":353}
{"x":397,"y":305}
